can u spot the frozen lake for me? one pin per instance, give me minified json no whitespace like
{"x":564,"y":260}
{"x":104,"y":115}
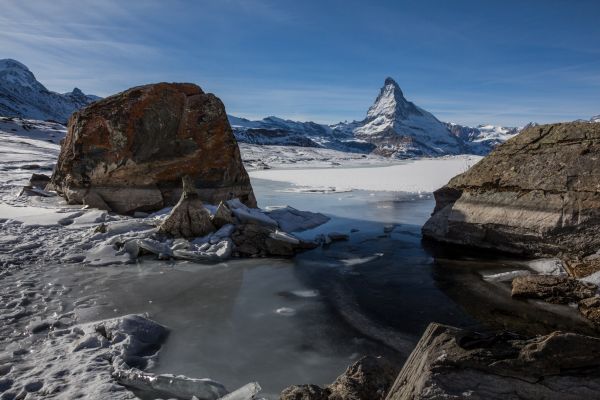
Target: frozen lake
{"x":283,"y":322}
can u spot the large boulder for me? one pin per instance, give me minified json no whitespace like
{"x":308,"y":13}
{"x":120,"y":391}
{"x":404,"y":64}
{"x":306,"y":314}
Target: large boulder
{"x":536,"y":194}
{"x":451,"y":363}
{"x":130,"y":150}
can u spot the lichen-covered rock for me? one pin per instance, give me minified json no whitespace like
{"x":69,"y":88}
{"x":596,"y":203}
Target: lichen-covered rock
{"x":305,"y":392}
{"x":590,"y":309}
{"x":189,"y":218}
{"x":536,"y":194}
{"x":451,"y":363}
{"x":132,"y":149}
{"x":558,"y":289}
{"x":369,"y":378}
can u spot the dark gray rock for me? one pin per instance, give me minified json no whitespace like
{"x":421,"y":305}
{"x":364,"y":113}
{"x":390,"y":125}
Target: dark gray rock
{"x":369,"y":378}
{"x":450,"y":363}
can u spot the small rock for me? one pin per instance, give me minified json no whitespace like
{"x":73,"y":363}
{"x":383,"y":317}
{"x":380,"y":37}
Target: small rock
{"x":189,"y":218}
{"x":223,"y":216}
{"x":369,"y":378}
{"x":305,"y":392}
{"x":337,"y":236}
{"x":39,"y":181}
{"x":590,"y":309}
{"x":558,"y":289}
{"x":94,"y":200}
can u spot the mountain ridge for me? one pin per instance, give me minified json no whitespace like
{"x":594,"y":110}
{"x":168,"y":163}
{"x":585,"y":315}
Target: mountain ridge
{"x":393,"y":127}
{"x":22,"y":95}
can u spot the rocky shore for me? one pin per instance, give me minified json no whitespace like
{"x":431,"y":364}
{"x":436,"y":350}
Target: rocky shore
{"x":537,"y":195}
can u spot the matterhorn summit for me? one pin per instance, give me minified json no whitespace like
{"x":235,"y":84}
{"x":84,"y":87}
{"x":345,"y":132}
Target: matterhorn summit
{"x":400,"y":128}
{"x":21,"y":95}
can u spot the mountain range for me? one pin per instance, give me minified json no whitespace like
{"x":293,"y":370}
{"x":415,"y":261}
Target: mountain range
{"x":21,"y":95}
{"x":393,"y":126}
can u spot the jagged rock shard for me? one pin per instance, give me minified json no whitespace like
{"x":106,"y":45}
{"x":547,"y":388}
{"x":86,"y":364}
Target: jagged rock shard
{"x":133,"y":148}
{"x":450,"y":363}
{"x":536,"y":194}
{"x":189,"y":218}
{"x":223,"y":216}
{"x":369,"y":378}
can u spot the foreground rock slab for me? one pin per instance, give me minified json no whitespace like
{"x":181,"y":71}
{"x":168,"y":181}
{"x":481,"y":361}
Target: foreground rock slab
{"x":451,"y":363}
{"x":367,"y":379}
{"x":130,"y":150}
{"x":536,"y":194}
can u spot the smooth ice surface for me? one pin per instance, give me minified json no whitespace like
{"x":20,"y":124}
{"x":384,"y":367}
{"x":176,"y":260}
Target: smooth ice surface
{"x":416,"y":176}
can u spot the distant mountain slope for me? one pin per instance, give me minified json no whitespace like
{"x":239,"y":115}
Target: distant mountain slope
{"x":483,"y":138}
{"x":393,"y":127}
{"x":21,"y":95}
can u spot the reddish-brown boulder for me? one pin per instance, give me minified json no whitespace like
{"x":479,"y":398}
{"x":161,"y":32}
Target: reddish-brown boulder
{"x":132,"y":149}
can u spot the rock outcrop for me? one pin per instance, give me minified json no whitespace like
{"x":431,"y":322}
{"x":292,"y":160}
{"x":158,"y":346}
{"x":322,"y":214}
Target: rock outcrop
{"x":450,"y":363}
{"x":537,"y":194}
{"x":557,"y":289}
{"x":369,"y":378}
{"x":130,"y":150}
{"x":189,"y":218}
{"x":257,"y":240}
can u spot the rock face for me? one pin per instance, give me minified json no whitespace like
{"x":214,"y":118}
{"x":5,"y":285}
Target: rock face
{"x":367,"y":379}
{"x":450,"y":363}
{"x":552,"y":288}
{"x":132,"y":149}
{"x":188,"y":218}
{"x":536,"y":194}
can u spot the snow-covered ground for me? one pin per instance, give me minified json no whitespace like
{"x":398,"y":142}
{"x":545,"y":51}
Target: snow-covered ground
{"x":415,"y":176}
{"x":266,"y":157}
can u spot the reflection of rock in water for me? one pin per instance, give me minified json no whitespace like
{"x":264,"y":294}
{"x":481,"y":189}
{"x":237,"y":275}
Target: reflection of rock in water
{"x":491,"y":303}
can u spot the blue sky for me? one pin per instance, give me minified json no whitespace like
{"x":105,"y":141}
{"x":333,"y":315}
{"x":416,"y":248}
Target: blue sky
{"x":502,"y":62}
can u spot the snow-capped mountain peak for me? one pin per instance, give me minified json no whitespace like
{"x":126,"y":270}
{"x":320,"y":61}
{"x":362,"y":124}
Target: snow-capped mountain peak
{"x":391,"y":103}
{"x":21,"y":95}
{"x":15,"y":73}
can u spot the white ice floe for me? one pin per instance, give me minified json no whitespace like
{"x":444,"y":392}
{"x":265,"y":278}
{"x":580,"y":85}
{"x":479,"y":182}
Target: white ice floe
{"x":351,"y":262}
{"x":547,"y":266}
{"x":425,"y":175}
{"x":305,"y":293}
{"x":284,"y":237}
{"x":249,"y":215}
{"x":292,"y":220}
{"x":286,"y":311}
{"x":507,"y":276}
